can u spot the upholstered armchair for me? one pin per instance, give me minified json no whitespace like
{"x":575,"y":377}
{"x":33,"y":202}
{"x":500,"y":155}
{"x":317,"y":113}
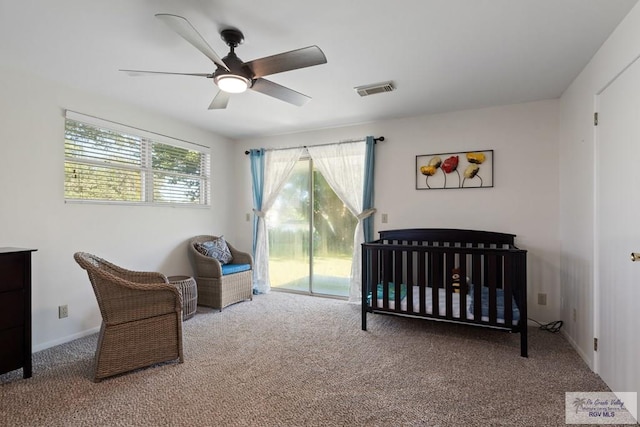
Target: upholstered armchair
{"x":141,"y":317}
{"x":220,"y":285}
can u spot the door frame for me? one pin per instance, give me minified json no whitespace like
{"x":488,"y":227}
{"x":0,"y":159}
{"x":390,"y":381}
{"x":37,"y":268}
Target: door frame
{"x":311,"y":259}
{"x":597,"y":285}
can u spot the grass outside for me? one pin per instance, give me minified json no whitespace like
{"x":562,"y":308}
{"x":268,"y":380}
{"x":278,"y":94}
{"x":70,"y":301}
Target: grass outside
{"x":330,"y":274}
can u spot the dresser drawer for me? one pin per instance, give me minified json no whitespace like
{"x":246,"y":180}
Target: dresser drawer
{"x":12,"y":349}
{"x":12,"y":271}
{"x":11,"y":309}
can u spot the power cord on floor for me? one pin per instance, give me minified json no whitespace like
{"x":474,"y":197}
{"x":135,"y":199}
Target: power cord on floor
{"x":553,"y":327}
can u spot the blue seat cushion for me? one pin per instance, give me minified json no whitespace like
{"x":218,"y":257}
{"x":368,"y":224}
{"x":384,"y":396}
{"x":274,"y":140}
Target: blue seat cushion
{"x":234,"y":268}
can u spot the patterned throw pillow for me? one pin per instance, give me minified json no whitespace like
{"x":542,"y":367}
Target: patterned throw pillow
{"x":216,"y":248}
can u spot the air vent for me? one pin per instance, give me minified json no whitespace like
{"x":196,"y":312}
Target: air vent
{"x":374,"y":88}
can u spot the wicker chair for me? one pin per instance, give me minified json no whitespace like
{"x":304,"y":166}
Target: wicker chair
{"x":141,"y":317}
{"x":219,"y":290}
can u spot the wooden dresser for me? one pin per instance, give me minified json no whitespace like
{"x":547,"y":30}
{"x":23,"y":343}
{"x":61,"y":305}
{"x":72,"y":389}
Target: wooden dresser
{"x":15,"y":310}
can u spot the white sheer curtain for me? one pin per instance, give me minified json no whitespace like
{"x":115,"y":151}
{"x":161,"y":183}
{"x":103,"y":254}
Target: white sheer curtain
{"x":342,"y":165}
{"x":278,"y":165}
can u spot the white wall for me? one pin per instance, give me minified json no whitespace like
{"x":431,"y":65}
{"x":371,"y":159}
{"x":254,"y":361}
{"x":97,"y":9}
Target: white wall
{"x":33,"y":213}
{"x":524,"y":200}
{"x":577,"y":148}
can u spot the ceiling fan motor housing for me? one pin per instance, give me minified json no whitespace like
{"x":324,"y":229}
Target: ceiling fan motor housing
{"x":233,"y":37}
{"x":236,"y":68}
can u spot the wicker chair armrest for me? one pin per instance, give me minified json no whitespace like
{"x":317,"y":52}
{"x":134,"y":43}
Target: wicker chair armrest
{"x":147,"y":286}
{"x":123,"y":273}
{"x":240,"y":257}
{"x":146,"y":277}
{"x":206,"y":266}
{"x":123,"y":302}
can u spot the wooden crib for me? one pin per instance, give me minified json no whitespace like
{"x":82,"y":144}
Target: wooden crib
{"x":462,"y":276}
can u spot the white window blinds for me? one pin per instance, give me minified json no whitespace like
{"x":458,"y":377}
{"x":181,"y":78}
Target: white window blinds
{"x":111,"y":162}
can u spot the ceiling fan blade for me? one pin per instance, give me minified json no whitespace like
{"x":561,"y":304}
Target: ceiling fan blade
{"x":138,"y":73}
{"x":292,"y":60}
{"x":275,"y":90}
{"x":184,"y":28}
{"x":220,"y":101}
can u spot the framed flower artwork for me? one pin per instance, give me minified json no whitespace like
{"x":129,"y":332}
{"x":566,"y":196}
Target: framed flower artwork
{"x":467,"y":169}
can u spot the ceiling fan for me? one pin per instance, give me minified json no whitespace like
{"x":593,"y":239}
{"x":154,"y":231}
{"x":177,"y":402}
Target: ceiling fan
{"x":232,"y":75}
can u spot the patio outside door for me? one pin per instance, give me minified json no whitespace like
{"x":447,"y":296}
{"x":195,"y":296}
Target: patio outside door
{"x":310,"y":236}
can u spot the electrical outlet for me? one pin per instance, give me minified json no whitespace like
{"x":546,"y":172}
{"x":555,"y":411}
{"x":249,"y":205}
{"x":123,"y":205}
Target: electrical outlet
{"x":63,"y":311}
{"x":542,"y":299}
{"x":385,"y":218}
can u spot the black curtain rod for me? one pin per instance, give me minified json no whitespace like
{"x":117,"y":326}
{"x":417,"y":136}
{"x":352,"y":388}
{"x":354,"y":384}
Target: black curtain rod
{"x":381,"y":139}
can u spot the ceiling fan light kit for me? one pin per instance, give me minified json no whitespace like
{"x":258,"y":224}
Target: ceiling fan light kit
{"x":232,"y":75}
{"x":232,"y":83}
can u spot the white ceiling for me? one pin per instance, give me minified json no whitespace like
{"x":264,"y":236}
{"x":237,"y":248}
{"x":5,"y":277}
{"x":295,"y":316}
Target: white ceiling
{"x":442,"y":55}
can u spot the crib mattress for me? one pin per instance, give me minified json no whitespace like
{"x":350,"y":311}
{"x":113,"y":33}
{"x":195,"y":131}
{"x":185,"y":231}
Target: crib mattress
{"x":442,"y":303}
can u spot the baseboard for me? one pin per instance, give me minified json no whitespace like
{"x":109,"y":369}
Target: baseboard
{"x":66,"y":339}
{"x":578,"y":350}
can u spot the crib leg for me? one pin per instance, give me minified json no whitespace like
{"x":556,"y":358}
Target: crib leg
{"x":524,"y":352}
{"x":364,"y":319}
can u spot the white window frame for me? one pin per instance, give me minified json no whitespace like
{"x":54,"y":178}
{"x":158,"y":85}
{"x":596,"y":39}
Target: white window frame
{"x":148,"y":176}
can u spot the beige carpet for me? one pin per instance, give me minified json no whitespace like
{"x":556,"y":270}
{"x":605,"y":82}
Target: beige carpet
{"x":292,"y":360}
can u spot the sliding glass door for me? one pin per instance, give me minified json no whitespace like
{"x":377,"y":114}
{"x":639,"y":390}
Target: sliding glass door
{"x":288,"y":224}
{"x":310,"y":236}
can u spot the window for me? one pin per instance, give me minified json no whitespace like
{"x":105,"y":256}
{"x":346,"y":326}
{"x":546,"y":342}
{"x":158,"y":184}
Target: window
{"x":110,"y":162}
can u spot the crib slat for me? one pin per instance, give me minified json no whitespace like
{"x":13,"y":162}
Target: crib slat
{"x":434,"y":267}
{"x":492,"y":283}
{"x":397,"y":279}
{"x":422,"y":280}
{"x":462,"y":262}
{"x":375,"y":277}
{"x":499,"y":271}
{"x":388,"y":265}
{"x":409,"y":281}
{"x":448,"y":288}
{"x":477,"y":285}
{"x":509,"y":279}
